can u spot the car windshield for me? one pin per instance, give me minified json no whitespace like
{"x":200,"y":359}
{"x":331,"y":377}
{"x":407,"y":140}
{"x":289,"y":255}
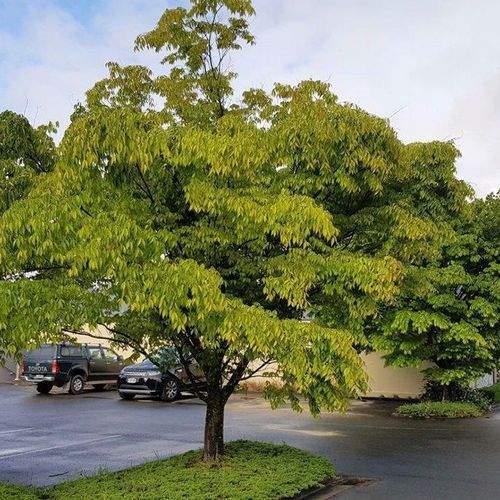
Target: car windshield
{"x":43,"y":353}
{"x":165,"y":358}
{"x":147,"y":363}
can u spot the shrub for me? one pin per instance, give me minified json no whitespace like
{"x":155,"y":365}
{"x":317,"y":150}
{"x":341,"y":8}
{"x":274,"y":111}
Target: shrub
{"x":492,"y":392}
{"x":439,"y":409}
{"x":435,"y":391}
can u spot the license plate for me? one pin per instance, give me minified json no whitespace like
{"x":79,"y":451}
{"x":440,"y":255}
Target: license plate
{"x":37,"y":376}
{"x":131,"y":380}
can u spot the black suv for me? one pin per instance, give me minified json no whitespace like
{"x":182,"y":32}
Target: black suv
{"x":71,"y":364}
{"x":163,"y":378}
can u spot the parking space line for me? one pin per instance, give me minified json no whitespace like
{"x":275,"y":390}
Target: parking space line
{"x":17,"y":430}
{"x":40,"y":450}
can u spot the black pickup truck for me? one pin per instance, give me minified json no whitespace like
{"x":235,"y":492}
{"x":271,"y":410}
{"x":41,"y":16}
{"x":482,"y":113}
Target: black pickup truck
{"x":72,"y":364}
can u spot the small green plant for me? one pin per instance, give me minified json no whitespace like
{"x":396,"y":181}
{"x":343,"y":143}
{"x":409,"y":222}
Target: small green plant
{"x":439,"y":409}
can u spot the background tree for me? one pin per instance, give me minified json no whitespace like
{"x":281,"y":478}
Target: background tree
{"x":455,"y":321}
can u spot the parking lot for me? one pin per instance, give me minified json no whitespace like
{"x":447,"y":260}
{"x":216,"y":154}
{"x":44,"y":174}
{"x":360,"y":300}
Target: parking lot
{"x":47,"y":439}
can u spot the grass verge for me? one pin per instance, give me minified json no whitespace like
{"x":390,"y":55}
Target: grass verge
{"x":250,"y":470}
{"x":439,"y":409}
{"x":493,"y":392}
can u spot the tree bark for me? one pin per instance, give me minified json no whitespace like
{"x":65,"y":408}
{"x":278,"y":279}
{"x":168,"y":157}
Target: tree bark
{"x":216,"y":399}
{"x":214,"y":425}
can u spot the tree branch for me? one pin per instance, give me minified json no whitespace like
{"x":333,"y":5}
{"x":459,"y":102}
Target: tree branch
{"x":253,"y":372}
{"x":193,"y":379}
{"x":94,"y":336}
{"x":37,"y":162}
{"x":130,"y":341}
{"x":85,"y":211}
{"x":235,"y":377}
{"x":145,"y":184}
{"x":246,"y":242}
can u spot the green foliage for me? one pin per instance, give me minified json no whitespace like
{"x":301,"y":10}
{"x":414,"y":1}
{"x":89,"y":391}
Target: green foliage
{"x":492,"y":392}
{"x":288,"y":471}
{"x":454,"y":320}
{"x":436,"y":391}
{"x":198,"y":42}
{"x":392,"y":204}
{"x":439,"y":409}
{"x":25,"y":154}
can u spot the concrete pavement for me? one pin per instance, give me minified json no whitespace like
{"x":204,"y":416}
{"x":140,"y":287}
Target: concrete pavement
{"x":6,"y":376}
{"x":47,"y":439}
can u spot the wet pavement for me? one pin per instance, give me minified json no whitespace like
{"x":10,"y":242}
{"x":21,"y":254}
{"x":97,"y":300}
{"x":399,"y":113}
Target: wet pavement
{"x":48,"y":439}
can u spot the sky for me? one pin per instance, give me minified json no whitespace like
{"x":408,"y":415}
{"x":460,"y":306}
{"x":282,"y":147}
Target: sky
{"x":431,"y":66}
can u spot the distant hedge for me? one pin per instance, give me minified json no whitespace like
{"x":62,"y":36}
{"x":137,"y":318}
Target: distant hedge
{"x":493,"y":392}
{"x":439,"y":409}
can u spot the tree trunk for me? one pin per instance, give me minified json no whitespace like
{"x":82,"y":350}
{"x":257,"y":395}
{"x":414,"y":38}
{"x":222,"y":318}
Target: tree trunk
{"x":216,"y":399}
{"x":214,"y":426}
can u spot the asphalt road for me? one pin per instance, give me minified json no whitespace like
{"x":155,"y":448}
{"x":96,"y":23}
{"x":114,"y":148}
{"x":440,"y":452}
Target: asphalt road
{"x":47,"y":439}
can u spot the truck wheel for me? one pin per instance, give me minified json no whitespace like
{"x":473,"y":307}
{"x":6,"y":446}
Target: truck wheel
{"x":76,"y":384}
{"x":127,"y":396}
{"x":170,"y":390}
{"x":44,"y":387}
{"x":99,"y":387}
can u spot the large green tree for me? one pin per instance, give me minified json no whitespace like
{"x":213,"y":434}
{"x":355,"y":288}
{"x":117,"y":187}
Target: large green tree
{"x":454,"y":320}
{"x":389,"y":202}
{"x":179,"y":214}
{"x":404,"y":202}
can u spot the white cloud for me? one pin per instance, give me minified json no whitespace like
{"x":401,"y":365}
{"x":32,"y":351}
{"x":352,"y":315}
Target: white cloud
{"x":56,"y":58}
{"x":433,"y":59}
{"x":439,"y":61}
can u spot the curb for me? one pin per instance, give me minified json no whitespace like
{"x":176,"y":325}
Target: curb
{"x":333,"y":488}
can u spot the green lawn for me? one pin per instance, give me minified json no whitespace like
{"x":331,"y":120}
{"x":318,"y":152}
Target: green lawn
{"x":439,"y":409}
{"x":10,"y":492}
{"x":250,"y":470}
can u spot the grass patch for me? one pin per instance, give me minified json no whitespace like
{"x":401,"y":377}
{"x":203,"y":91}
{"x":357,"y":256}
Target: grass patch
{"x":439,"y":409}
{"x":12,"y":492}
{"x":493,"y":392}
{"x":250,"y":470}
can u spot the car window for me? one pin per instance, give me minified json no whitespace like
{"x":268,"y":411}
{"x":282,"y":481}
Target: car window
{"x":70,"y":351}
{"x":43,"y":353}
{"x":109,"y":354}
{"x":95,"y":352}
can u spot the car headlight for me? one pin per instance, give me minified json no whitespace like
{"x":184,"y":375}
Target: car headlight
{"x":156,"y":373}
